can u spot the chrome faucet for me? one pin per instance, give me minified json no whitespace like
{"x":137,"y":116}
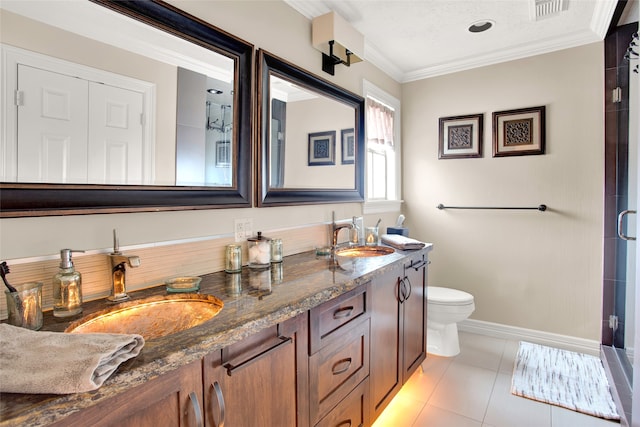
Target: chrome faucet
{"x":335,"y":230}
{"x":117,"y":261}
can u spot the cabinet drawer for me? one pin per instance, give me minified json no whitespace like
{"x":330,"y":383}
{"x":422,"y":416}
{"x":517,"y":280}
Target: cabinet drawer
{"x":337,"y":368}
{"x":327,"y":319}
{"x":353,"y":411}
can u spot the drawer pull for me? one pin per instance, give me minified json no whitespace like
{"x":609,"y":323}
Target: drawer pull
{"x":341,"y":366}
{"x":401,"y":292}
{"x":220,"y":398}
{"x":196,"y":408}
{"x":230,"y":368}
{"x":418,"y":265}
{"x":408,"y":295}
{"x":343,"y":312}
{"x":346,"y":423}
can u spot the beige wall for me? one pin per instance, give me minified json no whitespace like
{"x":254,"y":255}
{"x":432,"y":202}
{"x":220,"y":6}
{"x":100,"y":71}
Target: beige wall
{"x":271,"y":25}
{"x":316,"y":115}
{"x":528,"y":269}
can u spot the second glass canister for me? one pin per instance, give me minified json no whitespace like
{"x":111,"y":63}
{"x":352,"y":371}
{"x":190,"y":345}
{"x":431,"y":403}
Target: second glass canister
{"x":259,"y":251}
{"x":233,"y":259}
{"x":276,"y":250}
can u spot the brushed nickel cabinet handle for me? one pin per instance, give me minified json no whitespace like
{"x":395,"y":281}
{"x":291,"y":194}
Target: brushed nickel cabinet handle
{"x":343,"y":312}
{"x":341,"y":366}
{"x":193,"y":397}
{"x":418,"y":265}
{"x":220,"y":398}
{"x":230,"y":368}
{"x":400,"y":287}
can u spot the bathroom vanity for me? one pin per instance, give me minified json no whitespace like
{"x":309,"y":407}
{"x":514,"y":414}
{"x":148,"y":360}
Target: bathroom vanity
{"x":310,"y":342}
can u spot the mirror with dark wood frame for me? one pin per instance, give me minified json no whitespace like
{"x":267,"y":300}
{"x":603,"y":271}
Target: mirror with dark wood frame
{"x":47,"y":197}
{"x":311,"y":137}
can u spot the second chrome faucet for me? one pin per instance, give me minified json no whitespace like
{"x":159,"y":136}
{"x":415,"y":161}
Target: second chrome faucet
{"x":118,"y":261}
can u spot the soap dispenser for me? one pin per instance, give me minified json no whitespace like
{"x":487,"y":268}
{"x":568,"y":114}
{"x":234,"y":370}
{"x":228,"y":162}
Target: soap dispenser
{"x":354,"y":232}
{"x":67,"y":287}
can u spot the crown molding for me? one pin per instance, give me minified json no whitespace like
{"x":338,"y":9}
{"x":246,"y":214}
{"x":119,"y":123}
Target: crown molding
{"x":517,"y":52}
{"x":602,"y":14}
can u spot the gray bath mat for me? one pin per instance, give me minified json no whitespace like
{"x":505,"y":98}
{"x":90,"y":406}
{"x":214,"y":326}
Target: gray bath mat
{"x":564,"y":378}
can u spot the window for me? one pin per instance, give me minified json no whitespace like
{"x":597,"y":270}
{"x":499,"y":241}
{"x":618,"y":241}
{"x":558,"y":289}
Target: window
{"x":383,"y":150}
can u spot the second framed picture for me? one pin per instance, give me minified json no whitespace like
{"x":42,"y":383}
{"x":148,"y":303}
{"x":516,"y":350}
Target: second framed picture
{"x":322,"y":148}
{"x":519,"y":132}
{"x":348,"y":146}
{"x":460,"y":137}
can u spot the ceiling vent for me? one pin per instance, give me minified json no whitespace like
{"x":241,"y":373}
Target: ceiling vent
{"x":541,"y":9}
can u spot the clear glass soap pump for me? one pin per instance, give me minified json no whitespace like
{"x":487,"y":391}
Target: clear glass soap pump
{"x":67,"y":287}
{"x":354,"y":232}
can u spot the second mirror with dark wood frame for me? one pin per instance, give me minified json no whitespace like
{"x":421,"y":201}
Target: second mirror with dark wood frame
{"x":19,"y":199}
{"x":311,"y":137}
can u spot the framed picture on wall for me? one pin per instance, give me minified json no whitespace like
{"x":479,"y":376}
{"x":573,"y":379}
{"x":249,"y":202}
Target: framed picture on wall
{"x":322,"y":148}
{"x":460,"y":137}
{"x":519,"y":132}
{"x":348,"y":146}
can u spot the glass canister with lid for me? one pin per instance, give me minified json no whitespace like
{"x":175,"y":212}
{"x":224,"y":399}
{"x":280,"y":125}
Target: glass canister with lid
{"x":259,"y":251}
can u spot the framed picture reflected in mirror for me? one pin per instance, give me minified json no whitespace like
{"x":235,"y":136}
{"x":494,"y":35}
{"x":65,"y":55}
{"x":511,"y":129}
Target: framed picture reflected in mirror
{"x":322,"y":148}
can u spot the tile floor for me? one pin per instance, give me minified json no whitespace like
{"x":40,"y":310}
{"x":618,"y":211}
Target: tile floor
{"x":473,"y":390}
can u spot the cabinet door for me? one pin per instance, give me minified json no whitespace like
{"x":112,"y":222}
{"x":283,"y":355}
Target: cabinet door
{"x":385,"y":370}
{"x":261,"y":380}
{"x":173,"y":399}
{"x":414,"y":309}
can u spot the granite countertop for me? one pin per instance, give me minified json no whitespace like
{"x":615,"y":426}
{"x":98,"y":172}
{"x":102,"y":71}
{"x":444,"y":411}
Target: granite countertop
{"x":299,"y":283}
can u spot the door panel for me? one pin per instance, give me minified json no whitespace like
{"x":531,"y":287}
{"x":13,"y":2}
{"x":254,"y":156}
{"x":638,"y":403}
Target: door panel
{"x":115,"y":135}
{"x":52,"y":127}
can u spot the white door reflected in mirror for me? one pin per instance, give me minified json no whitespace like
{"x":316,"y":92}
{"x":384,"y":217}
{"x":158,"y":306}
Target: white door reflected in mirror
{"x":131,"y":137}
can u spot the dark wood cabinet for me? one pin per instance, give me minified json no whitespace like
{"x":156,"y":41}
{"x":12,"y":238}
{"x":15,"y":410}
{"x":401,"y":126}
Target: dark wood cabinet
{"x":398,"y":329}
{"x":261,"y":380}
{"x":414,"y":321}
{"x":386,"y":340}
{"x":339,"y":360}
{"x":173,"y":399}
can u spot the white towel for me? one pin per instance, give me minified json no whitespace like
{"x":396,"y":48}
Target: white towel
{"x":60,"y":363}
{"x":401,"y":242}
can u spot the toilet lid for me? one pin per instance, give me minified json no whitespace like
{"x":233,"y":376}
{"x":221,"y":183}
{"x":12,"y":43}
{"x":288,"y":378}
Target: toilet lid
{"x":448,"y":296}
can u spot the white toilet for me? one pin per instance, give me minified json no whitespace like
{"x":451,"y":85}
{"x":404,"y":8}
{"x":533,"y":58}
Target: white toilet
{"x":445,"y":308}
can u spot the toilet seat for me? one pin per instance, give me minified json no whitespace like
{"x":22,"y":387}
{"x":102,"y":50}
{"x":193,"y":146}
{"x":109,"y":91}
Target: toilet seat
{"x":447,"y":296}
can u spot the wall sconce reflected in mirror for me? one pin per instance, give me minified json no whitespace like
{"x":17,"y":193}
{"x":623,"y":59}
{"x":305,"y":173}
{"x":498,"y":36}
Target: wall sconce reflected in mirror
{"x":338,"y":41}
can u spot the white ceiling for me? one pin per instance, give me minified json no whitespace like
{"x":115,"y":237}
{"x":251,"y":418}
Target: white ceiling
{"x":411,"y":40}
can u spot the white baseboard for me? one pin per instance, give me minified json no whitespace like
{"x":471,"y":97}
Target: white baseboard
{"x":497,"y":330}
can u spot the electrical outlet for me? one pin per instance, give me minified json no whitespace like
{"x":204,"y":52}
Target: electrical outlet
{"x":248,"y":228}
{"x":243,"y":228}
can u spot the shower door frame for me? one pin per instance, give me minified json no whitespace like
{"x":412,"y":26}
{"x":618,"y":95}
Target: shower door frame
{"x":613,"y":354}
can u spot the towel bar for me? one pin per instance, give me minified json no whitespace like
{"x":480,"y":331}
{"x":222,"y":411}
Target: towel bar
{"x":540,"y":208}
